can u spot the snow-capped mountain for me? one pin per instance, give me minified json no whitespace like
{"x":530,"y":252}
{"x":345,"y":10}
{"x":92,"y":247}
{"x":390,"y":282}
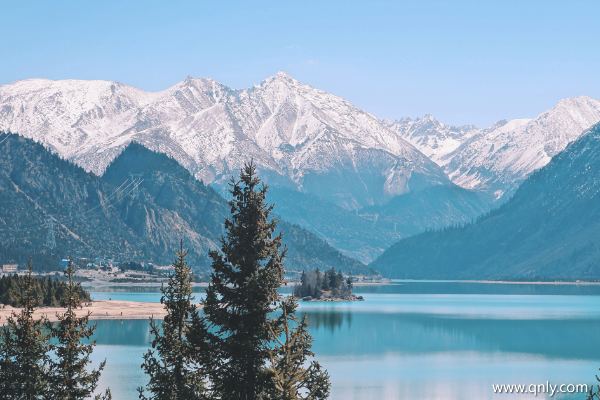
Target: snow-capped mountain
{"x":549,"y":230}
{"x":495,"y":160}
{"x":299,"y":136}
{"x":431,"y":137}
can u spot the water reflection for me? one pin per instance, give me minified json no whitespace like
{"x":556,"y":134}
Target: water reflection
{"x":402,"y":343}
{"x":453,"y":287}
{"x":376,"y":334}
{"x":329,"y":320}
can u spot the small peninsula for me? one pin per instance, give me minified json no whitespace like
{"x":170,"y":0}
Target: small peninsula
{"x":327,"y":286}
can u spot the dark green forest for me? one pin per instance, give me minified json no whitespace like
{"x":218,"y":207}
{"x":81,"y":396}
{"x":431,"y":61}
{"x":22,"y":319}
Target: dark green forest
{"x":49,"y":291}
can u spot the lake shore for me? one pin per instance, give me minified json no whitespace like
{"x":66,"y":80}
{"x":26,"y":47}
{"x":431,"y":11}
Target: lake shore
{"x":535,"y":283}
{"x":100,"y":309}
{"x":101,"y":283}
{"x":402,"y":281}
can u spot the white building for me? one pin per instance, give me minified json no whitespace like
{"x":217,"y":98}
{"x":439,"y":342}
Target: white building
{"x":10,"y":268}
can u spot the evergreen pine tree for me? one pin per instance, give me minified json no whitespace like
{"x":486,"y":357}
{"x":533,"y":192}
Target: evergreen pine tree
{"x":319,"y":281}
{"x":350,"y":282}
{"x":325,"y":282}
{"x":316,"y":293}
{"x":291,"y":378}
{"x":178,"y":372}
{"x":243,"y":292}
{"x":24,"y":347}
{"x":332,"y":278}
{"x":69,"y":378}
{"x":7,"y":363}
{"x":49,"y":298}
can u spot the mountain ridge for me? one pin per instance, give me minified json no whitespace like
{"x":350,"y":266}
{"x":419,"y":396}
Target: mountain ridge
{"x":299,"y":136}
{"x":102,"y":217}
{"x":547,"y":231}
{"x":494,"y":161}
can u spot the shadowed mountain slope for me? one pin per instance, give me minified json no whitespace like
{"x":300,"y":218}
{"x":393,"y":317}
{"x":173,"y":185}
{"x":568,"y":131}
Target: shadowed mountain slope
{"x":550,"y":229}
{"x":101,"y":217}
{"x":366,"y":233}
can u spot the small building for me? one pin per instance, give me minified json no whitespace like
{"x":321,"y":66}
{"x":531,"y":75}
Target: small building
{"x":64,"y":262}
{"x":10,"y":268}
{"x":167,"y":268}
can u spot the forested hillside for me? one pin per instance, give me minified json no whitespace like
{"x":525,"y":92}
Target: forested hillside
{"x":102,"y":217}
{"x":549,"y":230}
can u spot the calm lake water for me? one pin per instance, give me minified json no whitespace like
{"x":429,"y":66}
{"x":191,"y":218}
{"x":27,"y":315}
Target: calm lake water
{"x":416,"y":340}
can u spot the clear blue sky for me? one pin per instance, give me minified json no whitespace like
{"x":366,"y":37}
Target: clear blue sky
{"x":461,"y":61}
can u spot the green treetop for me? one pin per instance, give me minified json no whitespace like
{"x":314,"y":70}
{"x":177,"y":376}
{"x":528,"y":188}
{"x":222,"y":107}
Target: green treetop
{"x":24,"y":347}
{"x":243,"y":292}
{"x":179,"y":370}
{"x":292,"y":379}
{"x":69,"y":378}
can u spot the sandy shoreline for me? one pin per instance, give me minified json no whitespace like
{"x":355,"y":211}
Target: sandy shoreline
{"x":101,"y":309}
{"x":99,"y":283}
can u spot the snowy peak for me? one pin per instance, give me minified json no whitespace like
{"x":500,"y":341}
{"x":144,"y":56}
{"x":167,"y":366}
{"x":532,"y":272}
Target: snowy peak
{"x":299,"y":136}
{"x":431,"y":137}
{"x":498,"y":159}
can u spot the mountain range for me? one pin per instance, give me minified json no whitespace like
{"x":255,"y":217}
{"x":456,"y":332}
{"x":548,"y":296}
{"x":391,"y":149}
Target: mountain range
{"x":107,"y":216}
{"x":306,"y":143}
{"x":494,"y":161}
{"x":549,"y":229}
{"x":358,"y":183}
{"x":299,"y":137}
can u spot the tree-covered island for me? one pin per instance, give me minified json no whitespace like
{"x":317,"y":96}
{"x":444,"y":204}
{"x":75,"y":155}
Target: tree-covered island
{"x":327,"y":286}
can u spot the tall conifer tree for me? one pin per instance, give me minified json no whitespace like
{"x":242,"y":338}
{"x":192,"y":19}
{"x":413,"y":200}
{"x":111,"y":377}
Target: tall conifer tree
{"x":6,"y":362}
{"x":292,"y":379}
{"x":180,"y":341}
{"x":69,"y":378}
{"x":24,"y":347}
{"x":243,"y":292}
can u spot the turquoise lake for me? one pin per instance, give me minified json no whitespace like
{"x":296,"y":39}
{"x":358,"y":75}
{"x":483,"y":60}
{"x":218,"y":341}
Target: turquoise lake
{"x":416,"y":340}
